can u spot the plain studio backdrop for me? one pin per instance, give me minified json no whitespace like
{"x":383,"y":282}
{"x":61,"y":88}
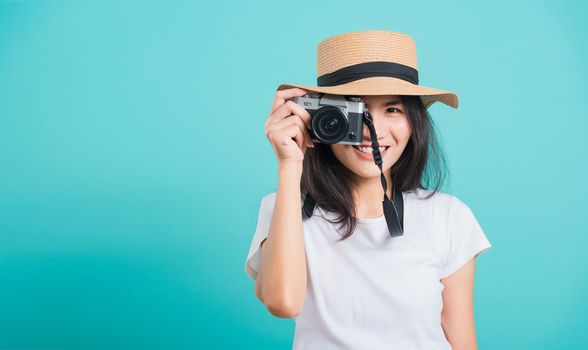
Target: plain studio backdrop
{"x":133,"y":162}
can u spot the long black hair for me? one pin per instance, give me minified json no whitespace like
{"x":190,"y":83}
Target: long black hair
{"x":330,"y":183}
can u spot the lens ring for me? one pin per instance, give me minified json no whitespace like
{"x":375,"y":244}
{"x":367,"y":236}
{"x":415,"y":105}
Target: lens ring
{"x":330,"y":124}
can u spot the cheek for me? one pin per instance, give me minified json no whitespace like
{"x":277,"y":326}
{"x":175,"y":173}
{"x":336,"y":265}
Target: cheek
{"x":401,"y":130}
{"x":345,"y":155}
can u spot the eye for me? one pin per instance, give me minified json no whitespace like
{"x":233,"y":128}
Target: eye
{"x":393,"y":108}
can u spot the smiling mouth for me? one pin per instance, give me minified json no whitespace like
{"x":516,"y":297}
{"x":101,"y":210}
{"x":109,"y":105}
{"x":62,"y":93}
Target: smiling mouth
{"x":365,"y":153}
{"x":368,"y":150}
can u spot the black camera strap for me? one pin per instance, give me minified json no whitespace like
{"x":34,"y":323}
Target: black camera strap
{"x":393,"y":210}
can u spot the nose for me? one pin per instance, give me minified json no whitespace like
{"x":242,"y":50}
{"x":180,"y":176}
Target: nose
{"x":367,"y":138}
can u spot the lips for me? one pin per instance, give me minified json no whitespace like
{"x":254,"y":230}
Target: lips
{"x":370,"y":145}
{"x":369,"y":156}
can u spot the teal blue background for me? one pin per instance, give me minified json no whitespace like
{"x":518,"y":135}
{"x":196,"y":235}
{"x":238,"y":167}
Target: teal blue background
{"x":134,"y":160}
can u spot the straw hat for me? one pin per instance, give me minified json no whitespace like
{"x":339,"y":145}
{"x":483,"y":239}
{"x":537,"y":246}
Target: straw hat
{"x":373,"y":62}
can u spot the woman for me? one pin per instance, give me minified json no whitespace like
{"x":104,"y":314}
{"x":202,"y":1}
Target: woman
{"x":339,"y":273}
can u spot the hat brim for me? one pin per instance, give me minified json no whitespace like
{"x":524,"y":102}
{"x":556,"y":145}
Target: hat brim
{"x":383,"y":86}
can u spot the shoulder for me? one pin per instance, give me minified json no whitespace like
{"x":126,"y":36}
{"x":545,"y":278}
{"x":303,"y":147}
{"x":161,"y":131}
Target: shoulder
{"x":441,"y":204}
{"x":267,"y":202}
{"x":269,"y":199}
{"x":429,"y":198}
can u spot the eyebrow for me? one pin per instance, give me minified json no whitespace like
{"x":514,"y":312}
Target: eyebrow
{"x":389,"y":103}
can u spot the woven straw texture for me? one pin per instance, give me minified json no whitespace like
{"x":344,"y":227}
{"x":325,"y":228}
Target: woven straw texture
{"x":348,"y":49}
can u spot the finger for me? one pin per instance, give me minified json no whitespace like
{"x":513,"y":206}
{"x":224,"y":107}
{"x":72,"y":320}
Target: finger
{"x":299,"y":137}
{"x":288,"y":109}
{"x":282,"y":95}
{"x":286,"y":127}
{"x":281,"y":124}
{"x":293,"y":131}
{"x":286,"y":122}
{"x":306,"y":133}
{"x":309,"y":138}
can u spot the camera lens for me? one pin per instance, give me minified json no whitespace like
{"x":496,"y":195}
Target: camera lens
{"x":329,"y":124}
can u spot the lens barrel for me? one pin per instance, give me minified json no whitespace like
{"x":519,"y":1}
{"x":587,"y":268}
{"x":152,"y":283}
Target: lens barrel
{"x":329,"y":124}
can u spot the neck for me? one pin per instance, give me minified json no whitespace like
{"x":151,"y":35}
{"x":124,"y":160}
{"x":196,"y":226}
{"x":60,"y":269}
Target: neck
{"x":369,"y":195}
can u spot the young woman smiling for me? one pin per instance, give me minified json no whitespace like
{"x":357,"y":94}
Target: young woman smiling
{"x":338,"y":272}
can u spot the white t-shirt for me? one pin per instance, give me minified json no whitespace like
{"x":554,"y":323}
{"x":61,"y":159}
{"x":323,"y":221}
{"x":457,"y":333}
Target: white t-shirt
{"x":373,"y":291}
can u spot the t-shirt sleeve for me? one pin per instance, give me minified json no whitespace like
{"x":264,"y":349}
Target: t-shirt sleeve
{"x":264,"y":218}
{"x":465,"y":238}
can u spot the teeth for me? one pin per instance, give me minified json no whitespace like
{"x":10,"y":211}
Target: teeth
{"x":369,"y":149}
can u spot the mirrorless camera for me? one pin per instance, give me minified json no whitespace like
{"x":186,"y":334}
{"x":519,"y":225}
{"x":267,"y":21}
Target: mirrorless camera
{"x":334,"y":118}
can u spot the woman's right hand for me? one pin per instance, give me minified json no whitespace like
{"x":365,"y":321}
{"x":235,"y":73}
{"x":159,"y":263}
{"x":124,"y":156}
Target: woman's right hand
{"x":287,"y":127}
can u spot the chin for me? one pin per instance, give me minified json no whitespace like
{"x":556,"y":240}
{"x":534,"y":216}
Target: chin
{"x":366,"y":172}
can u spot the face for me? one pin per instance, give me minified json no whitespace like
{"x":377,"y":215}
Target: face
{"x":393,"y":130}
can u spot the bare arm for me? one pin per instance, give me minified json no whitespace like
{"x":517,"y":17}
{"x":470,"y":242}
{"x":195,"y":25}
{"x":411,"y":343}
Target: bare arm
{"x":281,"y":280}
{"x":457,"y":317}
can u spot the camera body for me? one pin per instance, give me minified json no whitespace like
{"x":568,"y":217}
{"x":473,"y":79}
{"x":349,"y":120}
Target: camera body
{"x":335,"y":118}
